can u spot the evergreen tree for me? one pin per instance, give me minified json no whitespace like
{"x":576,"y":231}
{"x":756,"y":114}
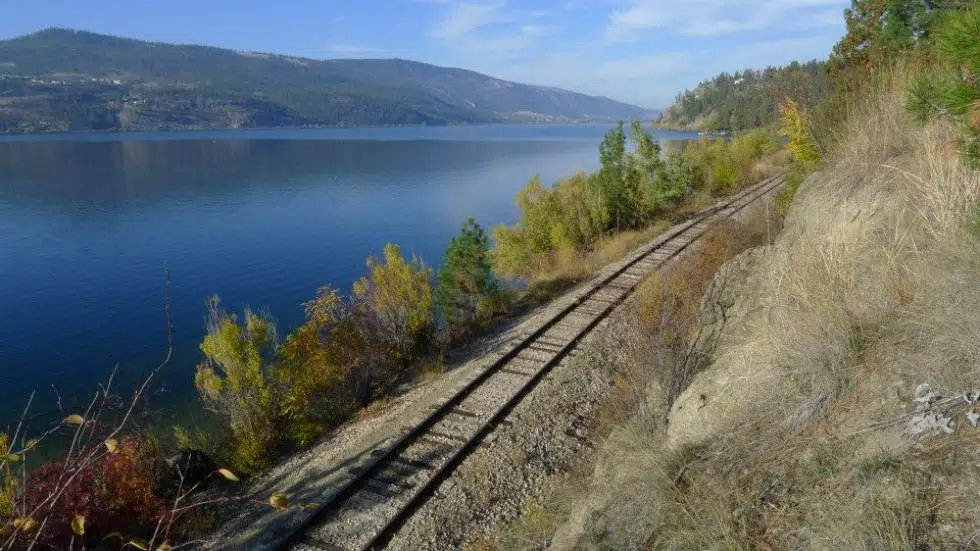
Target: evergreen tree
{"x":467,"y":287}
{"x":880,"y":30}
{"x":955,"y":90}
{"x":625,"y":178}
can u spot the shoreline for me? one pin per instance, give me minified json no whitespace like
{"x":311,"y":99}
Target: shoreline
{"x":11,"y":136}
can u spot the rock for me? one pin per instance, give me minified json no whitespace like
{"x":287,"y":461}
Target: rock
{"x":716,"y":398}
{"x":183,"y":471}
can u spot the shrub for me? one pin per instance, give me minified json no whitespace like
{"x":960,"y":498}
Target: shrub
{"x":675,"y":180}
{"x":719,"y":165}
{"x":794,"y":177}
{"x":710,"y":164}
{"x":467,"y":291}
{"x":724,"y":173}
{"x":567,"y":216}
{"x":127,"y":479}
{"x":318,"y":368}
{"x":397,"y":301}
{"x":81,"y":497}
{"x":746,"y":150}
{"x":235,"y":382}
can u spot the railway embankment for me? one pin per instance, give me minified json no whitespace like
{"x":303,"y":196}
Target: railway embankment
{"x":548,"y":430}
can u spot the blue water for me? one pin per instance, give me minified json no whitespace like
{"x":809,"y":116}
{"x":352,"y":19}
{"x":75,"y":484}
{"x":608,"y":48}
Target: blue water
{"x":88,"y":222}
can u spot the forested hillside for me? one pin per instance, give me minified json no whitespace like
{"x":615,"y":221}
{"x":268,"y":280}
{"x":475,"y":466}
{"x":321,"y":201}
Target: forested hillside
{"x":57,"y":80}
{"x":747,"y":99}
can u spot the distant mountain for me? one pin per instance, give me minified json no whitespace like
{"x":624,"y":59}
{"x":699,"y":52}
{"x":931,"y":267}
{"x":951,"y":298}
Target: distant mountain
{"x":747,"y":99}
{"x":58,"y":80}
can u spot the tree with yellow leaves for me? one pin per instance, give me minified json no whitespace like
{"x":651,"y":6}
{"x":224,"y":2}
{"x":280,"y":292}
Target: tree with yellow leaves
{"x":794,"y":123}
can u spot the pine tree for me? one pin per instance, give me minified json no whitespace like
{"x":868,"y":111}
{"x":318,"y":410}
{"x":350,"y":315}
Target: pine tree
{"x":467,"y":287}
{"x":955,"y":91}
{"x":880,"y":30}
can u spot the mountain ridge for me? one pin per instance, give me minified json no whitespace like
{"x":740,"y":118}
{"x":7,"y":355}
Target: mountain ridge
{"x":62,"y":80}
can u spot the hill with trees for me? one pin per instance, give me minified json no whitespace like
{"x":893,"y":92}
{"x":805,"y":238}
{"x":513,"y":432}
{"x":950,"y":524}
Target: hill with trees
{"x":60,"y":80}
{"x":747,"y":99}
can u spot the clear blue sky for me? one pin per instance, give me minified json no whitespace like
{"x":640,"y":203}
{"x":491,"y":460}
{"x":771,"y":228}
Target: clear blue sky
{"x":642,"y":51}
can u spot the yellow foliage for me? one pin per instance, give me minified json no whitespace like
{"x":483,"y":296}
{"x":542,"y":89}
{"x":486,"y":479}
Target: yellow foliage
{"x":566,"y":216}
{"x":794,"y":123}
{"x":235,"y":381}
{"x":279,"y":501}
{"x":228,"y":475}
{"x":398,"y":295}
{"x":315,"y":362}
{"x":8,"y":482}
{"x":78,"y":525}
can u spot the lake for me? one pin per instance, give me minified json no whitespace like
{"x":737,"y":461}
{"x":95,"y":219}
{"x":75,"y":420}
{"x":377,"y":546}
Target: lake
{"x":264,"y":218}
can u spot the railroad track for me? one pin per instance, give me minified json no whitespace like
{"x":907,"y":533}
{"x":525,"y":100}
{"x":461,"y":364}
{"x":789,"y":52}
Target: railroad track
{"x":367,"y":511}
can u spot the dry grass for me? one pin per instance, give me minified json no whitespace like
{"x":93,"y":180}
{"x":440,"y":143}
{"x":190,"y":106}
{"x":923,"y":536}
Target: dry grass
{"x":662,"y":322}
{"x":572,"y":265}
{"x":478,"y":477}
{"x":771,"y":165}
{"x":794,"y":436}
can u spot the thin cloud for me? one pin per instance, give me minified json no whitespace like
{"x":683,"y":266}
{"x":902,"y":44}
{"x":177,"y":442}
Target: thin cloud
{"x":705,"y":18}
{"x":539,"y":30}
{"x":492,"y":29}
{"x":466,"y":18}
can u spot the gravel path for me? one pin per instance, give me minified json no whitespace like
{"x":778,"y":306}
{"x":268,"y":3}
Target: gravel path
{"x":543,"y":437}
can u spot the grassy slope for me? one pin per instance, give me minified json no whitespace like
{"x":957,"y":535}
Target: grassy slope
{"x":798,"y":435}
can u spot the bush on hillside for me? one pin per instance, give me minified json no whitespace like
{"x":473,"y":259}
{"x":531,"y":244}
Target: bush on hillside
{"x":794,"y":124}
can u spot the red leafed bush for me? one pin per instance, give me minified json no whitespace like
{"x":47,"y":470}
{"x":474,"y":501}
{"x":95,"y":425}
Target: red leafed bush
{"x":114,"y":495}
{"x":82,"y":496}
{"x":127,"y":481}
